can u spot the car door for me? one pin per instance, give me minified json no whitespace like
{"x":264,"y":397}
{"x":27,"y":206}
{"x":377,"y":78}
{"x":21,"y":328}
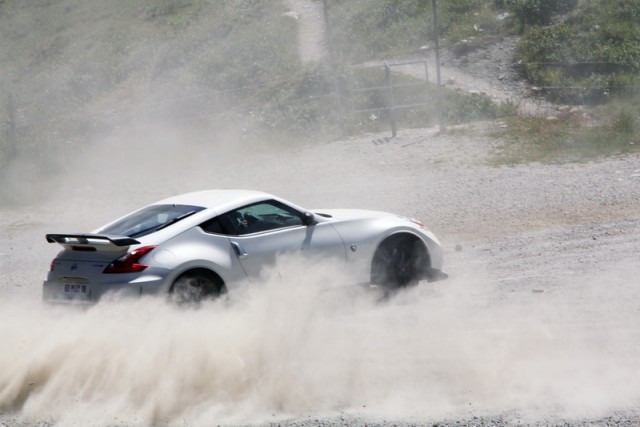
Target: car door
{"x":262,"y":231}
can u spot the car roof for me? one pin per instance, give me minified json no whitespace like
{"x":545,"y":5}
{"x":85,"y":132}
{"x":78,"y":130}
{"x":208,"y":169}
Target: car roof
{"x":216,"y":199}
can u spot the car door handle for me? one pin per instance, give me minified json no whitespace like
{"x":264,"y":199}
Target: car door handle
{"x":239,"y":250}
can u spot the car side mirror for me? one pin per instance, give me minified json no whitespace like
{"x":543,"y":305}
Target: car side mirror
{"x":308,"y":218}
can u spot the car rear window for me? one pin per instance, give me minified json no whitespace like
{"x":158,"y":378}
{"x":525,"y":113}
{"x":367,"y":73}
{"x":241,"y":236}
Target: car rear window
{"x":150,"y":219}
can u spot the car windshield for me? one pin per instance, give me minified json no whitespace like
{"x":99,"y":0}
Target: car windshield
{"x":150,"y":219}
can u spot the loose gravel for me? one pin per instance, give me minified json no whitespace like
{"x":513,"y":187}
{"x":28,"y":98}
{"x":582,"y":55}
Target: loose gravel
{"x":539,"y":310}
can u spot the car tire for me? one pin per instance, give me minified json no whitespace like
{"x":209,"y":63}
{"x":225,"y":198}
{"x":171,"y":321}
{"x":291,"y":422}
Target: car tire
{"x":400,"y":261}
{"x":194,"y":286}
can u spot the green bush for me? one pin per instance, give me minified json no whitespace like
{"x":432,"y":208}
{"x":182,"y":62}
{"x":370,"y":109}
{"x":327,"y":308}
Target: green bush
{"x":577,"y":135}
{"x":380,"y":28}
{"x":460,"y":108}
{"x":538,"y":12}
{"x":594,"y":53}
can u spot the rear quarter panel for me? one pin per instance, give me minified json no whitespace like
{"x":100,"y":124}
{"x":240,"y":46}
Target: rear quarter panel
{"x":197,"y":249}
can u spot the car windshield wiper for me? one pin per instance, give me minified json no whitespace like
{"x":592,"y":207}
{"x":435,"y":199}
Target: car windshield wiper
{"x":160,"y":227}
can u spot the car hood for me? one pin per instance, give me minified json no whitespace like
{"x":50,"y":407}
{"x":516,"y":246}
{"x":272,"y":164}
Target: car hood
{"x":346,"y":214}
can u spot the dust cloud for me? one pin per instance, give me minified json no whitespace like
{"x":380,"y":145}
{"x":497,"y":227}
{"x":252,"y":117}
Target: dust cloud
{"x":299,"y":344}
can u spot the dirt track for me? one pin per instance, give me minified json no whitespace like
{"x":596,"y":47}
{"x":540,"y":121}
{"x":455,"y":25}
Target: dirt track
{"x":536,"y":323}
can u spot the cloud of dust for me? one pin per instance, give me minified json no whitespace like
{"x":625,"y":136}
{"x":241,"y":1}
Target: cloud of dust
{"x":299,"y":344}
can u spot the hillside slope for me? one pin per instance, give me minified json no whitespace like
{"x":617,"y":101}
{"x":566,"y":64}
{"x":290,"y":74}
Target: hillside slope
{"x":77,"y":72}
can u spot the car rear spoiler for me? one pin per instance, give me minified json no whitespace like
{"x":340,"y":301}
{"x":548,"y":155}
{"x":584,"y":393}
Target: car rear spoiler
{"x":91,"y":240}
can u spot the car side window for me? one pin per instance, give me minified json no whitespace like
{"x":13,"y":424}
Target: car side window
{"x":259,"y":217}
{"x":213,"y":226}
{"x":150,"y":219}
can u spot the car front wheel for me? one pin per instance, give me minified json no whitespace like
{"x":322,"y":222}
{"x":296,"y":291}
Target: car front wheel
{"x":401,"y":260}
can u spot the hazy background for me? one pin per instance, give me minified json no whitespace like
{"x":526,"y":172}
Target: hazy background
{"x":122,"y":90}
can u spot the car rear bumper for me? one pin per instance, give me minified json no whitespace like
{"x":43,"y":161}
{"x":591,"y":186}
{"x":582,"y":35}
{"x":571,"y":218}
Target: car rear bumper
{"x":62,"y":293}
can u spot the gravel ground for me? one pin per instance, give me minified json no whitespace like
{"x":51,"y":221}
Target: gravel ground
{"x":535,"y":326}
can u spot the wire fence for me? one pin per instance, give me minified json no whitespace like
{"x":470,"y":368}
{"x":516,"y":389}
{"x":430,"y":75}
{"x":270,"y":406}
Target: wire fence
{"x":389,"y":92}
{"x":387,"y":96}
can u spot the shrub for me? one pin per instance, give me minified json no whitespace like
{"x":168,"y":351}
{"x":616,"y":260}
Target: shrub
{"x":591,"y":55}
{"x":538,"y":12}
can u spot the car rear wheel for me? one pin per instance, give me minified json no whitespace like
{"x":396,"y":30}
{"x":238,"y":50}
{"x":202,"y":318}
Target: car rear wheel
{"x":401,"y":260}
{"x":195,"y":286}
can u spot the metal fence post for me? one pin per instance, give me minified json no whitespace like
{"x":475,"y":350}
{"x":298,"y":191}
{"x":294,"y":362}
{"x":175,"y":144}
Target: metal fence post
{"x":438,"y":79}
{"x":334,"y":72}
{"x":390,"y":102}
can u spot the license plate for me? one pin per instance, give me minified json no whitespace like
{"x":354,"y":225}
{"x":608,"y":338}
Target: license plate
{"x":75,"y":289}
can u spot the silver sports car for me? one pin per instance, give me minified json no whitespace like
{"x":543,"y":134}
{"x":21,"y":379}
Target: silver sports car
{"x":197,"y":245}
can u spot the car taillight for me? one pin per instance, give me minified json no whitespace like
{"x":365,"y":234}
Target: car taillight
{"x":128,"y":263}
{"x":52,"y":266}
